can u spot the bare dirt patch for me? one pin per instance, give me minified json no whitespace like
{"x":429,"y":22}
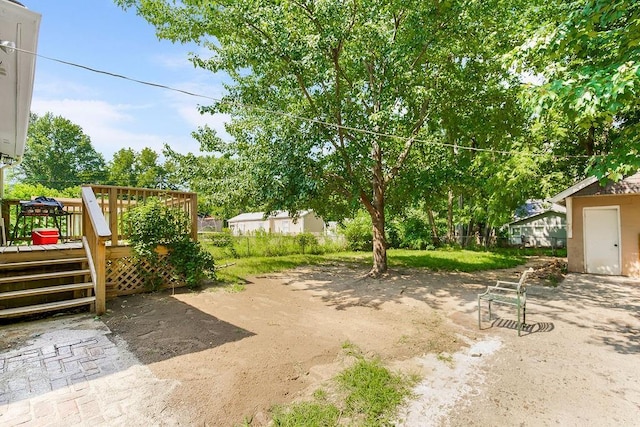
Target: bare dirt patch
{"x":234,"y":355}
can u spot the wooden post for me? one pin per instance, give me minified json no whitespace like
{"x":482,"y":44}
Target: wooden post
{"x":100,"y":262}
{"x":85,"y":222}
{"x":113,"y":216}
{"x":6,"y":216}
{"x":96,"y":234}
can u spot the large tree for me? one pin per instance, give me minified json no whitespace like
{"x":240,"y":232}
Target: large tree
{"x":224,"y":187}
{"x":588,"y":56}
{"x":330,"y":97}
{"x":137,"y":169}
{"x":59,"y":155}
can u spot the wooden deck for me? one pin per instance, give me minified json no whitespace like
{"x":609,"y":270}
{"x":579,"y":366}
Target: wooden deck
{"x":38,"y":248}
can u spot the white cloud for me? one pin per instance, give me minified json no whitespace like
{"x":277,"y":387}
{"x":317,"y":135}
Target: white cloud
{"x":187,"y":107}
{"x":173,"y":62}
{"x":48,"y":86}
{"x":106,"y":124}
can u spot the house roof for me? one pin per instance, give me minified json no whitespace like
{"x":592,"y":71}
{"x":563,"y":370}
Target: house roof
{"x":591,"y":187}
{"x":536,"y":216}
{"x":573,"y":189}
{"x":536,"y":208}
{"x":259,"y":216}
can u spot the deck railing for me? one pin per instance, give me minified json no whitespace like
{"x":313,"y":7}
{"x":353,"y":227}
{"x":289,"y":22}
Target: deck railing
{"x":98,"y":219}
{"x":96,"y":234}
{"x":120,"y":200}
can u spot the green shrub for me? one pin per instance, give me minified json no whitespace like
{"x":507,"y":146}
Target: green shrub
{"x":306,"y":240}
{"x":152,"y":224}
{"x":261,"y":244}
{"x":359,"y":232}
{"x":191,"y":262}
{"x":412,"y":231}
{"x":221,"y":239}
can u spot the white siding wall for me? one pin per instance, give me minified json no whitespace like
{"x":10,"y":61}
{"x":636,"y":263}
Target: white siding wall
{"x":313,"y":224}
{"x":310,"y":223}
{"x":540,"y":231}
{"x":244,"y":227}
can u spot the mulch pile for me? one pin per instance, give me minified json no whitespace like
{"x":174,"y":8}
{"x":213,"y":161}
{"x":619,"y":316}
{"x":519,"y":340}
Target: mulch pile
{"x":552,"y":271}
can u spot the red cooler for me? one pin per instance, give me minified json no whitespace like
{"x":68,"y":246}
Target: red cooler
{"x":44,"y":236}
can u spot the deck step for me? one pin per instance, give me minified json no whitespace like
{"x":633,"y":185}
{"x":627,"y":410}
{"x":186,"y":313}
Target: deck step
{"x":45,"y":290}
{"x":41,"y":308}
{"x":46,"y":262}
{"x":43,"y":276}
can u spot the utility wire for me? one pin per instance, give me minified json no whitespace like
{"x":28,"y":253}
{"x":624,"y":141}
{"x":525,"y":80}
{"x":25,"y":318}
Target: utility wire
{"x":294,"y":116}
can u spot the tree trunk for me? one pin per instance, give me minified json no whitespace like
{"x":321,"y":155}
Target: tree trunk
{"x":450,"y":229}
{"x":435,"y":239}
{"x":467,"y":234}
{"x":379,"y":247}
{"x":590,"y":143}
{"x":376,"y":210}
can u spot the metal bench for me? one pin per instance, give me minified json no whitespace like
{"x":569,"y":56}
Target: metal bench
{"x":508,"y":293}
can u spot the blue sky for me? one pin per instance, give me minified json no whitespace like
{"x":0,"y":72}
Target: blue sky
{"x":113,"y":112}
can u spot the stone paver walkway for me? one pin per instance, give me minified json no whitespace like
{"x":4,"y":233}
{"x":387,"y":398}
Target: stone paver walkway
{"x":68,"y":372}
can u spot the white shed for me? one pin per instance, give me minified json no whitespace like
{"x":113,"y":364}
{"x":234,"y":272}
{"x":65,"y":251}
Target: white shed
{"x":280,"y":222}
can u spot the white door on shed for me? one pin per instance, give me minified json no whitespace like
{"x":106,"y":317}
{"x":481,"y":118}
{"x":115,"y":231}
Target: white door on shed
{"x":602,"y":240}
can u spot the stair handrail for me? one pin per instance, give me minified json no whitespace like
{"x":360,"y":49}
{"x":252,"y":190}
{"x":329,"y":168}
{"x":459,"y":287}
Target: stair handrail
{"x":97,"y":233}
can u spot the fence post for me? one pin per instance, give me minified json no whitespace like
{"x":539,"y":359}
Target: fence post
{"x":113,"y":216}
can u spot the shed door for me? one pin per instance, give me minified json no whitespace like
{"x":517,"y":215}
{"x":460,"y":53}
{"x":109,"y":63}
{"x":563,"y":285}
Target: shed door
{"x":602,"y":240}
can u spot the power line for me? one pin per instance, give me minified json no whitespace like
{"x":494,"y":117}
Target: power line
{"x":295,"y":116}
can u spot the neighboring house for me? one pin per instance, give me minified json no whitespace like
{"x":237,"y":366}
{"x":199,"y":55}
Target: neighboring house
{"x":539,"y":223}
{"x":603,"y":226}
{"x":280,"y":222}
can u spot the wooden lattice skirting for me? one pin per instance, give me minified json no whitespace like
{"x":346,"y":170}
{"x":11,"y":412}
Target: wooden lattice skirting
{"x":125,"y":277}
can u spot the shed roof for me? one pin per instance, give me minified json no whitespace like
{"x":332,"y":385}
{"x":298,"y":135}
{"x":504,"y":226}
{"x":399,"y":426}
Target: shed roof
{"x":248,"y":216}
{"x":591,"y":187}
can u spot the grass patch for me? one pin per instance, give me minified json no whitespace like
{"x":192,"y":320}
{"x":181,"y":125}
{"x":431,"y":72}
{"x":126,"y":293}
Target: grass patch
{"x":311,"y":414}
{"x":558,"y":252}
{"x":453,"y":260}
{"x":237,"y":270}
{"x":370,"y":396}
{"x":373,"y":392}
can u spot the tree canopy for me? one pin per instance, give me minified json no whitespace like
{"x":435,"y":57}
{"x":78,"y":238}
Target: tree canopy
{"x":588,"y":53}
{"x":59,"y":155}
{"x":330,"y":98}
{"x":389,"y":106}
{"x":137,"y":169}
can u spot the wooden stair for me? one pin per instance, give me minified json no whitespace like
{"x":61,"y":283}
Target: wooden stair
{"x":45,"y":281}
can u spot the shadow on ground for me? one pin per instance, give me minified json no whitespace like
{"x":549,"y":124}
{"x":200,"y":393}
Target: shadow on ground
{"x":608,"y":306}
{"x":142,"y":321}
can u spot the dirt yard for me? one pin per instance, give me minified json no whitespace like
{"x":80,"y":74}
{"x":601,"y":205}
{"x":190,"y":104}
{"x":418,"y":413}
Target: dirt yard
{"x":234,"y":355}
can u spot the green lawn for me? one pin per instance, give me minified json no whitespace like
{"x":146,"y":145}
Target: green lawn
{"x":236,"y":270}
